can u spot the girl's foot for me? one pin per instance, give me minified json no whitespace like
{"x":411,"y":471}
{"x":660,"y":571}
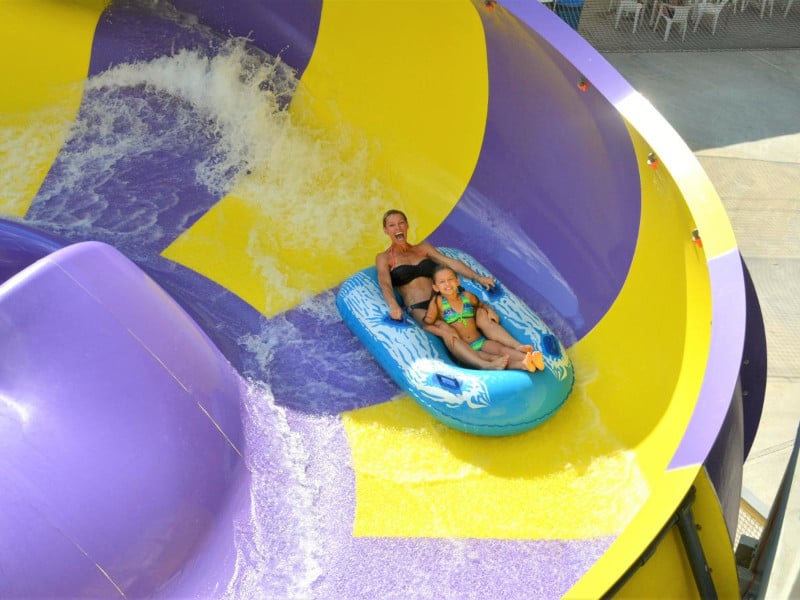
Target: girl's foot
{"x":528,"y":363}
{"x":498,"y":364}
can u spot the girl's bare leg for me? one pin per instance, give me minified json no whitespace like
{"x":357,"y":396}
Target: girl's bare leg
{"x":525,"y":361}
{"x":463,"y":352}
{"x":516,"y":359}
{"x":494,"y":331}
{"x":472,"y":358}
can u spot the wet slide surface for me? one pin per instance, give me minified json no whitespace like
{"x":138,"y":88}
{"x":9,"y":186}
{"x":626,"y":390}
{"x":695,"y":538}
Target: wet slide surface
{"x":249,"y":187}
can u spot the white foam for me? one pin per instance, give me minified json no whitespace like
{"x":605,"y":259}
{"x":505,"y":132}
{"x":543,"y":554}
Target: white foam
{"x":278,"y":549}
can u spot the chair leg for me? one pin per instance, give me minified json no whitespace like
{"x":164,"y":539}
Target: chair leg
{"x":714,"y":26}
{"x":788,"y":6}
{"x":636,"y":14}
{"x":666,"y":30}
{"x":653,"y":15}
{"x":697,"y":22}
{"x":619,"y":14}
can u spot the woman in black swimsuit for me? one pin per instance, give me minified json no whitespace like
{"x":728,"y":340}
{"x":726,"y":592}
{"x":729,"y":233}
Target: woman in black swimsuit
{"x":409,"y":268}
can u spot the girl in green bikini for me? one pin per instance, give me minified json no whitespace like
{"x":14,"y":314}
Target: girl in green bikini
{"x":457,"y":308}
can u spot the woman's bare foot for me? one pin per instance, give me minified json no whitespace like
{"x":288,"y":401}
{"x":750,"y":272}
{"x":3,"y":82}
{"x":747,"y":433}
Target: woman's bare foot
{"x":498,"y":364}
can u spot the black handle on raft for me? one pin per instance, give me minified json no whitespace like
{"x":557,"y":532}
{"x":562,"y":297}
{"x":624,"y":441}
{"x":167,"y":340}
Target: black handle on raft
{"x":550,"y":345}
{"x":495,"y":291}
{"x":387,"y":318}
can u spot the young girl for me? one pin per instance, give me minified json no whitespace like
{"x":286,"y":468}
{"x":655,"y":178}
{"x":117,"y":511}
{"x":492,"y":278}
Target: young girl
{"x":458,"y":308}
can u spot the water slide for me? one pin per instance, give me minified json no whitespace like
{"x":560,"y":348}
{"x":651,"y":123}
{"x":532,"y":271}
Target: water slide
{"x":182,"y":411}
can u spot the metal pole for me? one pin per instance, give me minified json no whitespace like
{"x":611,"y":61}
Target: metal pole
{"x":684,"y":519}
{"x":694,"y":549}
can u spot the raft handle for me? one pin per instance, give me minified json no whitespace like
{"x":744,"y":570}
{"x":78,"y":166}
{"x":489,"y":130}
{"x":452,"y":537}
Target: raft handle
{"x":451,"y":383}
{"x":495,"y":291}
{"x":387,"y":318}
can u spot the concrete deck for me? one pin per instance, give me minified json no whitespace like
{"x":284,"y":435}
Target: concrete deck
{"x":739,"y":112}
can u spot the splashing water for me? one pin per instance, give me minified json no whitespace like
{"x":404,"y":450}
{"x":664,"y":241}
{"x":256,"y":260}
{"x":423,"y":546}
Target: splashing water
{"x":277,"y":547}
{"x":238,"y":96}
{"x":167,"y":136}
{"x":157,"y":143}
{"x":28,"y":145}
{"x":300,"y":521}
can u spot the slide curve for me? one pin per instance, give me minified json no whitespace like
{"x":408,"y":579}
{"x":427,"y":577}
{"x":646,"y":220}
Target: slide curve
{"x":185,"y":186}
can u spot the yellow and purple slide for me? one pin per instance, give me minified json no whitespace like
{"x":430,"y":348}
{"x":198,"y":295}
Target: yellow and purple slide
{"x":183,"y":414}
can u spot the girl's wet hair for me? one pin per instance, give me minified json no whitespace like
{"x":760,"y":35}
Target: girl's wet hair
{"x":439,"y":268}
{"x":393,"y":211}
{"x":460,"y":289}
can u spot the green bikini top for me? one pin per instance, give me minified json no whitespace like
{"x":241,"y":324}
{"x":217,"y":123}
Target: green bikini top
{"x":450,"y":315}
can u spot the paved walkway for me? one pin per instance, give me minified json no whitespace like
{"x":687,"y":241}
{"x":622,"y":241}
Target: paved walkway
{"x":739,"y":111}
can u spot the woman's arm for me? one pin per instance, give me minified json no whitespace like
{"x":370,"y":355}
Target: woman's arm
{"x":385,"y":282}
{"x":458,"y":266}
{"x":433,"y":312}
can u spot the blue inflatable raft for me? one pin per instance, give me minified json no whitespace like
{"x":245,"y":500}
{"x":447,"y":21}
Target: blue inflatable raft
{"x":490,"y":403}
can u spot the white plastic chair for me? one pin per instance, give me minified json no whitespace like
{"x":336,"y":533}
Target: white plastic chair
{"x":680,"y":15}
{"x":654,"y":11}
{"x":627,"y":7}
{"x":709,"y":8}
{"x":763,"y":6}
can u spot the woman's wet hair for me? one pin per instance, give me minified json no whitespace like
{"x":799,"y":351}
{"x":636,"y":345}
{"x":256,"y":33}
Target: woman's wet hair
{"x":393,"y":211}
